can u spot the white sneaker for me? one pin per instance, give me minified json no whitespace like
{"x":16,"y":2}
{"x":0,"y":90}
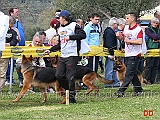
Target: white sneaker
{"x":7,"y":83}
{"x":51,"y":90}
{"x":20,"y":85}
{"x":31,"y":91}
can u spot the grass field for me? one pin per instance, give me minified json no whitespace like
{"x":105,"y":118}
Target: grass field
{"x":104,"y":106}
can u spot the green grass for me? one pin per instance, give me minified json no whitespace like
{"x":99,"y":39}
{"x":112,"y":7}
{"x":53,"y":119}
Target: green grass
{"x":104,"y":106}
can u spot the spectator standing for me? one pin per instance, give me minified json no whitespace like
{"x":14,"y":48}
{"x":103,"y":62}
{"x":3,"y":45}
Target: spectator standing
{"x":157,"y":15}
{"x":80,"y":22}
{"x":4,"y":25}
{"x":49,"y":34}
{"x":11,"y":36}
{"x":15,"y":13}
{"x":121,"y":25}
{"x":70,"y":36}
{"x":55,"y":19}
{"x":11,"y":40}
{"x":153,"y":32}
{"x":133,"y":38}
{"x":110,"y":42}
{"x":93,"y":39}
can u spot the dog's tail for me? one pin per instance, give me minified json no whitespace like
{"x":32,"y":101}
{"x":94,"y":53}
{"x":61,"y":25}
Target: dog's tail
{"x":104,"y":80}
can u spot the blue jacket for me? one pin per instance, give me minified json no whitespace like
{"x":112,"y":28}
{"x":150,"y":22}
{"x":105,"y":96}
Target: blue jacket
{"x":92,"y":34}
{"x":19,"y":26}
{"x":110,"y":40}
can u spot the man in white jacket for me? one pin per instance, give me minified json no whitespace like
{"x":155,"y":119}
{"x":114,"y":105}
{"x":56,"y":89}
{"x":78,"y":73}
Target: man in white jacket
{"x":4,"y":24}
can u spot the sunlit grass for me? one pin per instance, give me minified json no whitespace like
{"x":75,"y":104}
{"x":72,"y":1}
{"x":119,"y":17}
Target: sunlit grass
{"x":104,"y":106}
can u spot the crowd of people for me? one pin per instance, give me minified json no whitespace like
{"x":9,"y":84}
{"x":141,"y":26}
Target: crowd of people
{"x":65,"y":34}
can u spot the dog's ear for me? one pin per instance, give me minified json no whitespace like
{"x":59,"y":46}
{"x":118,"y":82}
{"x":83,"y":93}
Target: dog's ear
{"x":23,"y":57}
{"x":30,"y":58}
{"x":119,"y":59}
{"x":56,"y":57}
{"x":55,"y":63}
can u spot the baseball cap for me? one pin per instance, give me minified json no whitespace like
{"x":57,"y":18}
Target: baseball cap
{"x":54,"y":22}
{"x":64,"y":13}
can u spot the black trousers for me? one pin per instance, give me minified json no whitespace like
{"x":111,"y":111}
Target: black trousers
{"x":131,"y":74}
{"x":66,"y":72}
{"x":90,"y":63}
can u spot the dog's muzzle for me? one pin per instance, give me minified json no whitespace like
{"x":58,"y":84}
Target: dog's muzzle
{"x":116,"y":67}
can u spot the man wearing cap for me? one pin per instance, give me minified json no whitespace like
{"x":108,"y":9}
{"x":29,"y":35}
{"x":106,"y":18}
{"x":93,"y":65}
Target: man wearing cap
{"x":55,"y":19}
{"x":70,"y":35}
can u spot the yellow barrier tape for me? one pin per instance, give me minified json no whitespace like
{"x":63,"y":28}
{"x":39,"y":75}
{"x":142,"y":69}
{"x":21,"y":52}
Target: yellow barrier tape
{"x":18,"y":51}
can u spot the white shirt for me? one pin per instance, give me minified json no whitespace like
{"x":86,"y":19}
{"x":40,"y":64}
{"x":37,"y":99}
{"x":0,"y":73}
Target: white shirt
{"x":132,"y":34}
{"x":68,"y":48}
{"x":4,"y":25}
{"x":49,"y":34}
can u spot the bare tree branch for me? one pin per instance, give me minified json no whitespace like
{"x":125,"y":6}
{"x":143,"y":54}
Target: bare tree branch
{"x":100,"y":10}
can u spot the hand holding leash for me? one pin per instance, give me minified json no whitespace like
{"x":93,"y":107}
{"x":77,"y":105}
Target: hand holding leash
{"x":46,"y":52}
{"x":66,"y":38}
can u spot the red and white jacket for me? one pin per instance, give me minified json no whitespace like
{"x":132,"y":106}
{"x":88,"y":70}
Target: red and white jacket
{"x":133,"y":34}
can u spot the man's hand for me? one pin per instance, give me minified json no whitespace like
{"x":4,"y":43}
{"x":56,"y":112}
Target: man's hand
{"x":111,"y":57}
{"x":66,"y":38}
{"x":46,"y":52}
{"x":127,"y":41}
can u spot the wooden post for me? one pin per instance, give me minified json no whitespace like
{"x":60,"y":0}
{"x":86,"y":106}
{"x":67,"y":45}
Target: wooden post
{"x":67,"y":97}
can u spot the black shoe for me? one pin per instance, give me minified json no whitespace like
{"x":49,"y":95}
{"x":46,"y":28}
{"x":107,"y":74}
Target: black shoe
{"x":137,"y":93}
{"x":119,"y":94}
{"x":72,"y":95}
{"x":72,"y":101}
{"x":102,"y":70}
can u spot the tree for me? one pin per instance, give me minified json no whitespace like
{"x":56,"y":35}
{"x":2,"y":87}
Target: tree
{"x":31,"y":13}
{"x":107,"y":8}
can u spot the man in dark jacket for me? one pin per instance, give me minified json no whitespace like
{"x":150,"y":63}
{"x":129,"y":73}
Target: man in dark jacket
{"x":70,"y":36}
{"x":110,"y":42}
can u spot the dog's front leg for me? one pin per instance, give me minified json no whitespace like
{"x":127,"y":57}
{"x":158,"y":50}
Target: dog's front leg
{"x":23,"y":91}
{"x":43,"y":90}
{"x":60,"y":91}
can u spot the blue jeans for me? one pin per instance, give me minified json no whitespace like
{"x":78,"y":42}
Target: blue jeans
{"x":20,"y":76}
{"x":110,"y":74}
{"x":8,"y":71}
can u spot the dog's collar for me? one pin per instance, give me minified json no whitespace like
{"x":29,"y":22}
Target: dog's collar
{"x":28,"y":69}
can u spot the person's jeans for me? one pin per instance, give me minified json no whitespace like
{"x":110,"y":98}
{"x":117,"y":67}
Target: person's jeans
{"x":110,"y":74}
{"x":151,"y":69}
{"x":8,"y":71}
{"x":20,"y":76}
